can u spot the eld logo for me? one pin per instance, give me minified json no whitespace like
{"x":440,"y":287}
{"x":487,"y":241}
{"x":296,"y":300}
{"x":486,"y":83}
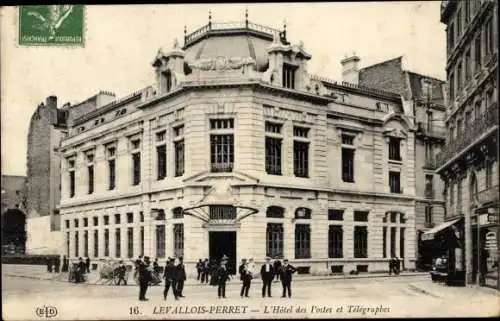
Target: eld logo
{"x":46,"y":312}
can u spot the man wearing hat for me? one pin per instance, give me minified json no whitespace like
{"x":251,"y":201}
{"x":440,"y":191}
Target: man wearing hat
{"x":267,"y":274}
{"x":222,"y":275}
{"x":121,"y":270}
{"x":245,"y":277}
{"x":286,"y":277}
{"x":170,"y":277}
{"x":144,"y":278}
{"x":181,"y":277}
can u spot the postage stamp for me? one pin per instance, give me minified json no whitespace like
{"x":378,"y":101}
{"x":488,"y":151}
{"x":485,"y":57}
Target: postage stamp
{"x":51,"y":25}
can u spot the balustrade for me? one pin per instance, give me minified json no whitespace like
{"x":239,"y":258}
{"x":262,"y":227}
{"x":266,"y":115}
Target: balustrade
{"x":488,"y":195}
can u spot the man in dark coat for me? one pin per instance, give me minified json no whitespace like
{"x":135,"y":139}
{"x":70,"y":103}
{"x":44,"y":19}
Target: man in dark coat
{"x":144,"y":277}
{"x":199,"y":269}
{"x":49,"y":264}
{"x":181,"y":277}
{"x":121,"y":270}
{"x":81,"y":269}
{"x":286,"y":278}
{"x":205,"y":272}
{"x":170,"y":276}
{"x":65,"y":265}
{"x":267,"y":275}
{"x":222,"y":275}
{"x":245,"y":277}
{"x":57,"y":264}
{"x":277,"y":268}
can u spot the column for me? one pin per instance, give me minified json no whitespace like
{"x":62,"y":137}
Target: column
{"x":91,"y":238}
{"x":112,"y":238}
{"x":123,"y":239}
{"x":101,"y":238}
{"x":71,"y":242}
{"x":169,"y":239}
{"x":398,"y":232}
{"x":288,"y":234}
{"x":388,"y":239}
{"x":148,"y":230}
{"x":348,"y":233}
{"x":137,"y":234}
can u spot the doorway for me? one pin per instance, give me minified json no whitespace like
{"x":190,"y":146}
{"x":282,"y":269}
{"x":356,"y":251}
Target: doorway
{"x":223,"y":243}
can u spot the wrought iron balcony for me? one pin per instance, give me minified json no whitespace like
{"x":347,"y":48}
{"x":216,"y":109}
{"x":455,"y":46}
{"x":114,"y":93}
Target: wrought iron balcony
{"x":488,"y":195}
{"x":472,"y":133}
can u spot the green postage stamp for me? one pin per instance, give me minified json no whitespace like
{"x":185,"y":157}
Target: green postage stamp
{"x":51,"y":25}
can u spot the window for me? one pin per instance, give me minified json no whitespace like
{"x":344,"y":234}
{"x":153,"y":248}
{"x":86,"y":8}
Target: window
{"x":300,"y":132}
{"x":335,"y":235}
{"x":273,"y":148}
{"x":459,"y":197}
{"x":72,"y":183}
{"x":459,"y":23}
{"x":77,"y":245}
{"x":161,"y":159}
{"x":468,"y":72}
{"x":106,"y":242}
{"x":289,"y":76}
{"x":275,"y":212}
{"x":106,"y":219}
{"x":301,"y":158}
{"x":303,"y":213}
{"x":430,"y":121}
{"x":167,"y":80}
{"x":393,"y":241}
{"x":489,"y":174}
{"x":302,"y":241}
{"x":468,"y":118}
{"x":459,"y":77}
{"x":429,"y":186}
{"x":335,"y":215}
{"x":179,"y":150}
{"x":451,"y":38}
{"x":347,"y":139}
{"x":394,"y":182}
{"x":467,"y":11}
{"x":130,"y":242}
{"x":179,"y":240}
{"x":130,"y":217}
{"x":117,"y":218}
{"x":221,"y":145}
{"x":393,"y":216}
{"x":111,"y":174}
{"x":384,"y":241}
{"x":142,"y":241}
{"x":478,"y":51}
{"x":348,"y":165}
{"x":459,"y":126}
{"x":160,"y":241}
{"x":67,"y":224}
{"x":96,"y":243}
{"x":274,"y":240}
{"x":273,"y":128}
{"x":96,"y":220}
{"x":488,"y":35}
{"x":402,"y":242}
{"x":76,"y":223}
{"x":477,"y":111}
{"x":118,"y":245}
{"x":222,"y":212}
{"x":428,"y":216}
{"x":67,"y":244}
{"x":451,"y":84}
{"x":177,"y":212}
{"x":360,"y":216}
{"x":452,"y":196}
{"x":141,"y":216}
{"x":86,"y":243}
{"x":394,"y":149}
{"x":360,"y":242}
{"x":85,"y":222}
{"x":136,"y":168}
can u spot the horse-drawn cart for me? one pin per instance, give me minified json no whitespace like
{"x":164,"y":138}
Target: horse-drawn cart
{"x":110,"y":271}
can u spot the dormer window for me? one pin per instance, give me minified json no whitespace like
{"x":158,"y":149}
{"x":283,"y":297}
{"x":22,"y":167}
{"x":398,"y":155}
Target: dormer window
{"x":167,"y":80}
{"x":289,"y":76}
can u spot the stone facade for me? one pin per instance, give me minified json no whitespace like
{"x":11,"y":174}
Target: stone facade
{"x":191,"y":90}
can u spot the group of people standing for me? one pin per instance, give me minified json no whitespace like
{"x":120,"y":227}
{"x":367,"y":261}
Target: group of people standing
{"x":279,"y":271}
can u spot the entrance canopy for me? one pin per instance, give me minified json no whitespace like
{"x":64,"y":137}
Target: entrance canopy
{"x":429,"y":235}
{"x":220,"y":207}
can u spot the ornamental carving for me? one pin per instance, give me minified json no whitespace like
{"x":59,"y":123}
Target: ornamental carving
{"x":222,"y":63}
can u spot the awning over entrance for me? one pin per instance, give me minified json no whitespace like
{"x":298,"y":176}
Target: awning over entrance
{"x":429,"y":235}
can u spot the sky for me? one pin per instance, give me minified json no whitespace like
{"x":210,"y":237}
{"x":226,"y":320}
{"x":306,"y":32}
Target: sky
{"x":122,"y":40}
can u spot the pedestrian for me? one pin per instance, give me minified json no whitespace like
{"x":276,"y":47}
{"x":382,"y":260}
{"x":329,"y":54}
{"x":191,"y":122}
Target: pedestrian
{"x":49,"y":264}
{"x":87,"y":264}
{"x":57,"y":264}
{"x":277,"y":269}
{"x":181,"y":277}
{"x":391,"y":265}
{"x":267,"y":275}
{"x":65,"y":266}
{"x":80,"y":271}
{"x":170,"y":279}
{"x":213,"y":272}
{"x":156,"y":266}
{"x":205,"y":273}
{"x":121,"y":270}
{"x":199,"y":269}
{"x":286,"y":272}
{"x":144,"y":277}
{"x":245,"y":277}
{"x":222,"y":277}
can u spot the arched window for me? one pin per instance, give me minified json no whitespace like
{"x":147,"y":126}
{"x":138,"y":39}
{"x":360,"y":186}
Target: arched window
{"x":177,"y":212}
{"x":275,"y":212}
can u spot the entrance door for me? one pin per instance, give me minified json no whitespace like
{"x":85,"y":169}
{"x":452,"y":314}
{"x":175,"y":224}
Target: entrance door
{"x":221,"y":243}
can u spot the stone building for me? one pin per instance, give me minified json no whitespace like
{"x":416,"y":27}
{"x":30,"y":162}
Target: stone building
{"x":236,"y":149}
{"x":468,"y":163}
{"x":13,"y":212}
{"x":423,"y":104}
{"x":47,"y":127}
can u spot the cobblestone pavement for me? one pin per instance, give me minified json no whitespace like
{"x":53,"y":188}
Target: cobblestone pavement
{"x":362,"y":297}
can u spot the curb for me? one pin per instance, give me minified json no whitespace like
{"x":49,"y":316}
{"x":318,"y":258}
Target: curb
{"x":426,"y":292}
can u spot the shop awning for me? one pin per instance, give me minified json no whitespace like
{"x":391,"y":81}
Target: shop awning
{"x":429,"y":235}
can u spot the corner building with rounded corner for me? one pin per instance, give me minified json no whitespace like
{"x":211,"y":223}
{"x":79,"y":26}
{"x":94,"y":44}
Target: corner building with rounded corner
{"x":237,"y":150}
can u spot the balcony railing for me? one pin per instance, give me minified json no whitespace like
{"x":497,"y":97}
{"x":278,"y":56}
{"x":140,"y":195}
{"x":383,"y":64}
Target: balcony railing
{"x":222,"y":167}
{"x":474,"y":131}
{"x":439,"y":132}
{"x":488,"y":195}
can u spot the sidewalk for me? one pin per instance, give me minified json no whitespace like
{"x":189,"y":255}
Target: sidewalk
{"x":440,"y":290}
{"x":39,"y":272}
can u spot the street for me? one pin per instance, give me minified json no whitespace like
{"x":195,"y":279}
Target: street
{"x":345,"y":298}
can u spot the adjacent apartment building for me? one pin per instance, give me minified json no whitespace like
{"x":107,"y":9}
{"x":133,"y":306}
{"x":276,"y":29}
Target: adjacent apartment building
{"x":237,"y":150}
{"x":468,"y":163}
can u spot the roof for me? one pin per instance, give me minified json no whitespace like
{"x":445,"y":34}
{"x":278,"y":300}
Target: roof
{"x":418,"y":90}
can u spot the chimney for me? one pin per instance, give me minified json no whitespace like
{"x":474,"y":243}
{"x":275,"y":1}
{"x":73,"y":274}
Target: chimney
{"x":350,"y":71}
{"x":51,"y":102}
{"x":104,"y":97}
